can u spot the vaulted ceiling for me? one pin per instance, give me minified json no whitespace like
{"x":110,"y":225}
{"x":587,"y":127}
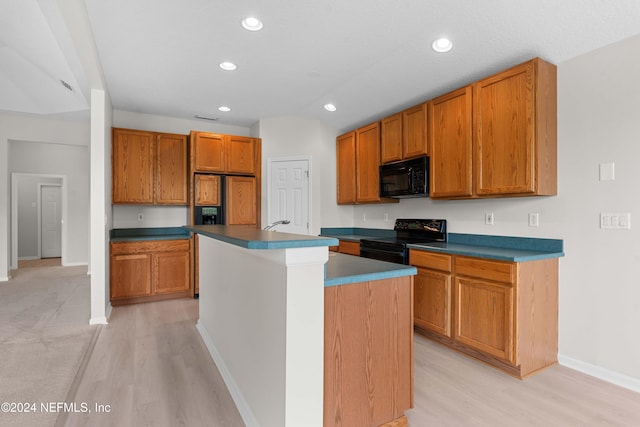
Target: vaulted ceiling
{"x":368,"y":57}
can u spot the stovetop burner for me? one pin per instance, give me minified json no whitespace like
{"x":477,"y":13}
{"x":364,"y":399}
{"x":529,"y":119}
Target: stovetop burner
{"x":408,"y":231}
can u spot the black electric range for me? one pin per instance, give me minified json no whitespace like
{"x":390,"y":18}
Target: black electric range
{"x":408,"y":231}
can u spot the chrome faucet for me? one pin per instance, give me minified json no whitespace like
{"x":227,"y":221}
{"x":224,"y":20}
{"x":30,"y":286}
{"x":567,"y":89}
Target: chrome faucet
{"x":273,"y":224}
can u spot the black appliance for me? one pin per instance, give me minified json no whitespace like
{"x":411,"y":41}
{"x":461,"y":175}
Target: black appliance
{"x":409,"y":178}
{"x":408,"y":231}
{"x":209,"y":215}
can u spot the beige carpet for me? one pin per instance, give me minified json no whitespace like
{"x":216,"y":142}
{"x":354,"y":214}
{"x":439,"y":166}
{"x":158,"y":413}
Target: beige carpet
{"x":44,"y":335}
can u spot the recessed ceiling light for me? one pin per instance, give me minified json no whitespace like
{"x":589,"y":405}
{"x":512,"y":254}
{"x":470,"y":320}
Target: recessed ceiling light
{"x":442,"y":45}
{"x":224,"y":108}
{"x":330,"y":107}
{"x":252,"y":24}
{"x":228,"y":66}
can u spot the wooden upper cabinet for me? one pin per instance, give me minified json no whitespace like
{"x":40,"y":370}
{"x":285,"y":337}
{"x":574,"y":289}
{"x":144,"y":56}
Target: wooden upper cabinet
{"x":224,"y":153}
{"x":368,"y":163}
{"x":209,"y":149}
{"x":391,"y":138}
{"x":346,"y":168}
{"x":133,"y":166}
{"x":414,"y":128}
{"x":149,"y":167}
{"x":515,"y":126}
{"x":207,"y":190}
{"x":241,"y":155}
{"x":171,"y":169}
{"x":241,"y":200}
{"x":451,"y":145}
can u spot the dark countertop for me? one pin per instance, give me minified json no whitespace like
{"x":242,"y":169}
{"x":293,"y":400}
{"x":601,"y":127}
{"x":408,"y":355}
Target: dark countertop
{"x":504,"y":248}
{"x":501,"y":254}
{"x":252,"y":238}
{"x":150,"y":233}
{"x":342,"y":269}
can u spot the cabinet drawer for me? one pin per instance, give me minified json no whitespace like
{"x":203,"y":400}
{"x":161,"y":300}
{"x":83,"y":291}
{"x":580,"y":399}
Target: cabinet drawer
{"x":499,"y":271}
{"x":149,"y":246}
{"x":351,"y":248}
{"x":430,"y":260}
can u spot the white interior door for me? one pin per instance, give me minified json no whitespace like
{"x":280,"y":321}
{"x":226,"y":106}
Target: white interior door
{"x":51,"y":221}
{"x":289,"y":195}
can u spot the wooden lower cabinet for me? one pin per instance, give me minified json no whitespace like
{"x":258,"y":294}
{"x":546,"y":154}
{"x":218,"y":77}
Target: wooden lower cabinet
{"x":130,"y":275}
{"x":502,"y":313}
{"x":368,"y":353}
{"x":432,"y":301}
{"x":485,"y":317}
{"x":350,"y":248}
{"x":150,"y":270}
{"x":170,"y":272}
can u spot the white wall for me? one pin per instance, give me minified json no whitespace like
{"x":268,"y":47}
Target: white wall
{"x":73,"y":162}
{"x":598,"y":122}
{"x":291,"y":136}
{"x":52,"y":136}
{"x":28,"y":194}
{"x":126,"y":216}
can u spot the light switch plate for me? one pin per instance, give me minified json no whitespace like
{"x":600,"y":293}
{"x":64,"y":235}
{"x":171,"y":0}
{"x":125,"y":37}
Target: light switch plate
{"x":607,"y":171}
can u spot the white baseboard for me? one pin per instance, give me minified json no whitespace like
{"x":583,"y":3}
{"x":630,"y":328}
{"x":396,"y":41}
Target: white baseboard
{"x":241,"y":403}
{"x":74,"y":264}
{"x":5,"y":278}
{"x":108,"y":311}
{"x":27,"y":258}
{"x":604,"y":374}
{"x":98,"y":320}
{"x":102,"y":320}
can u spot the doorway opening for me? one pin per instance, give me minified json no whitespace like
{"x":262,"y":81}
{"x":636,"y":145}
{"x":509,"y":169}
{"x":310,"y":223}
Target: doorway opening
{"x":288,"y":193}
{"x":38,"y":220}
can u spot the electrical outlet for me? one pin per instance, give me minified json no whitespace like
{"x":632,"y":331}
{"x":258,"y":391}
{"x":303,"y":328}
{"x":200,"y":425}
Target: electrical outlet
{"x":386,"y":216}
{"x":534,"y":219}
{"x":488,"y":218}
{"x":364,"y":216}
{"x":140,"y":217}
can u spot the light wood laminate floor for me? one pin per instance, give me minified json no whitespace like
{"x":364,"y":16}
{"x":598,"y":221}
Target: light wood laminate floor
{"x":151,"y":366}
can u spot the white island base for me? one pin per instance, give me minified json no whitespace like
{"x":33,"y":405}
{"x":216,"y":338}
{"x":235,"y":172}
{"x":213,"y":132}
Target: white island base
{"x":262,"y":319}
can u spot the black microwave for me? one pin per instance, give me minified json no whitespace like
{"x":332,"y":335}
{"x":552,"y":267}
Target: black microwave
{"x":408,"y":178}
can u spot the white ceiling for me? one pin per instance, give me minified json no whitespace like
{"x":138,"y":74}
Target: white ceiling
{"x":368,"y":57}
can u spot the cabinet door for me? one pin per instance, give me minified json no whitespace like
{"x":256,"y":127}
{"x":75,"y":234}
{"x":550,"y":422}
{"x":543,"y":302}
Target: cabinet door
{"x":484,"y":316}
{"x":241,"y":155}
{"x":170,"y":272}
{"x":207,"y":190}
{"x":391,"y":138}
{"x":346,"y":168}
{"x":133,"y":166}
{"x":171,"y":169}
{"x":414,"y":124}
{"x":432,"y":301}
{"x":504,"y":118}
{"x":368,"y":163}
{"x":241,"y":200}
{"x":210,"y":153}
{"x":130,"y":275}
{"x":451,"y":145}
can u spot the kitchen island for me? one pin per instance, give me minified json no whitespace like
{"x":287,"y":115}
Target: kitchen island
{"x":304,"y":338}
